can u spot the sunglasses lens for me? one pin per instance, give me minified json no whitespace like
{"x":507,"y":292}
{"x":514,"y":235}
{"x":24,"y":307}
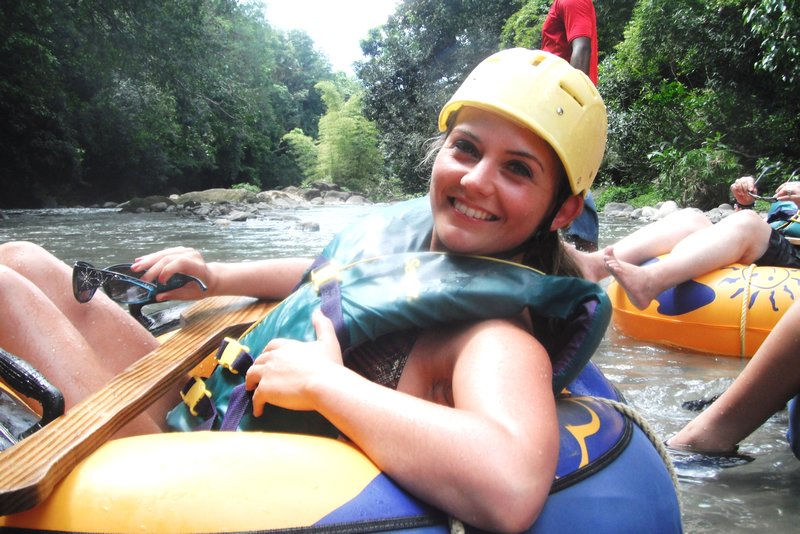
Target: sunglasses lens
{"x":84,"y":296}
{"x":126,"y":292}
{"x":83,"y":285}
{"x":125,"y":268}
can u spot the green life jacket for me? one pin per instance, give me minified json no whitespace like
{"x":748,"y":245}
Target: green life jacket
{"x":377,"y":277}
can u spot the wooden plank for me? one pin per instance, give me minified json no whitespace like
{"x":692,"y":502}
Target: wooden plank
{"x":31,"y":469}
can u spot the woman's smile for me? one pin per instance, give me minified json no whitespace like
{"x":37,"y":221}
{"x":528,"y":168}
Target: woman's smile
{"x":473,"y":213}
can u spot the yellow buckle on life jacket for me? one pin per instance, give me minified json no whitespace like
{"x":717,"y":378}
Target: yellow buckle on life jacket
{"x":326,"y":273}
{"x":195,"y":394}
{"x":228,"y":352}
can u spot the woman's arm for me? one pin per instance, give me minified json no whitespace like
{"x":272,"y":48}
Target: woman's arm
{"x":489,"y":460}
{"x":269,"y":279}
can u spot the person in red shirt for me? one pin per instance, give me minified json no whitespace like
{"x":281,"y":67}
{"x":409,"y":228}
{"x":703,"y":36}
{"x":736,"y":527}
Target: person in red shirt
{"x":570,"y":32}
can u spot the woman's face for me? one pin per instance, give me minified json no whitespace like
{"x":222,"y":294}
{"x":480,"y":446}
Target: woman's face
{"x":492,"y":184}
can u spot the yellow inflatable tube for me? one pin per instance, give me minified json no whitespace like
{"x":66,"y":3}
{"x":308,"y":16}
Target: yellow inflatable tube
{"x":726,"y":312}
{"x":259,"y":481}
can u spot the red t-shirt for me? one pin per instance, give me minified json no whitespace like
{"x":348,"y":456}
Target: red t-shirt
{"x":567,"y":20}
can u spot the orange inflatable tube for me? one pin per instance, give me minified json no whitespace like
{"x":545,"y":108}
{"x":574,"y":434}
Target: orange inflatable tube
{"x":726,"y":312}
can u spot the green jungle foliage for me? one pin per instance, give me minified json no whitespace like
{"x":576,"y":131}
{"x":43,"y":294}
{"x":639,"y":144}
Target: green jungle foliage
{"x":103,"y":100}
{"x":110,"y":99}
{"x":692,"y":103}
{"x":348,"y":142}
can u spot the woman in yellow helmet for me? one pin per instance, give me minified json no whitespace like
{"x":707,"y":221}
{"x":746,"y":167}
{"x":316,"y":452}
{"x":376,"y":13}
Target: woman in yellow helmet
{"x":469,"y":424}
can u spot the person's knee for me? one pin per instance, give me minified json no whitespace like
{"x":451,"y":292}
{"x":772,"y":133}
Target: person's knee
{"x":749,"y":229}
{"x":25,"y":257}
{"x":14,"y":252}
{"x":5,"y":273}
{"x":747,"y":221}
{"x":694,"y":218}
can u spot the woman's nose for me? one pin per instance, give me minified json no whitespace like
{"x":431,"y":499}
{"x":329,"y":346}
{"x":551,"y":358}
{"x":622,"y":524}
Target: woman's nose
{"x":479,"y":178}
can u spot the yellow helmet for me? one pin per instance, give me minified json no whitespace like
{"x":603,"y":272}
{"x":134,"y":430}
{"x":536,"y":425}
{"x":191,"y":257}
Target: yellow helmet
{"x":546,"y":94}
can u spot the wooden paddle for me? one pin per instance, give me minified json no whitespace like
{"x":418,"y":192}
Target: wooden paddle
{"x":31,"y":469}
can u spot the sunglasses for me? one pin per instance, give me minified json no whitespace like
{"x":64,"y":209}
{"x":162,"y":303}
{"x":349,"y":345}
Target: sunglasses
{"x":759,"y":197}
{"x":122,"y":284}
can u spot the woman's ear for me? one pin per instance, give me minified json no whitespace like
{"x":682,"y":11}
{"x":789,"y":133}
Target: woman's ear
{"x":570,"y":209}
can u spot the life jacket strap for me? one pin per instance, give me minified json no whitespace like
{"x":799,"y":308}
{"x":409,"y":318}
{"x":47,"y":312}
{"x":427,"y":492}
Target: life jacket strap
{"x":234,"y":356}
{"x":237,"y":359}
{"x":327,"y":282}
{"x":237,"y":405}
{"x":198,"y":399}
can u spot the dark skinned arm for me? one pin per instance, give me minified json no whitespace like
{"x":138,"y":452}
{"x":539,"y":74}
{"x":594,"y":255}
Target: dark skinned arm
{"x":581,"y":53}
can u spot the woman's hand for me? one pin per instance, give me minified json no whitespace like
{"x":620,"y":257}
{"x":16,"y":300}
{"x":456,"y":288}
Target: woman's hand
{"x":162,"y":265}
{"x":741,"y":189}
{"x":789,"y":191}
{"x":282,"y":373}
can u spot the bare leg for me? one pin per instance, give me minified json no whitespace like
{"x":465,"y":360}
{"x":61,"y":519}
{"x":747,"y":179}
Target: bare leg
{"x":768,"y":381}
{"x":109,"y":329}
{"x":79,"y":347}
{"x":742,"y":237}
{"x":653,"y":240}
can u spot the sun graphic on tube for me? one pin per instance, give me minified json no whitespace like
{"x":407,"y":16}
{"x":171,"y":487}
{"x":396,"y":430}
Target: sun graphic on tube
{"x":772,"y":283}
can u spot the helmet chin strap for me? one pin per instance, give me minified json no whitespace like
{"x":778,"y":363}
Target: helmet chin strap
{"x":563,"y":193}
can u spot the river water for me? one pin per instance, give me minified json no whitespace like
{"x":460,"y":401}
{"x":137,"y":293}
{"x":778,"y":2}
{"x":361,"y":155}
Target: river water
{"x":655,"y":380}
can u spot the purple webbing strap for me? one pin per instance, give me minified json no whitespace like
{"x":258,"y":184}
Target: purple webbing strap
{"x":237,"y":405}
{"x":240,"y":397}
{"x":331,"y":295}
{"x":242,"y":363}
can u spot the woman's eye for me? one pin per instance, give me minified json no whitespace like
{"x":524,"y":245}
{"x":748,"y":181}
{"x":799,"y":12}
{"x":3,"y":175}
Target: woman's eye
{"x":466,"y":147}
{"x":521,"y":169}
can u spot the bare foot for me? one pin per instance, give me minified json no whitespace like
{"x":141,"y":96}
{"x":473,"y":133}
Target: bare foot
{"x":595,"y":266}
{"x":633,"y":279}
{"x":591,"y":264}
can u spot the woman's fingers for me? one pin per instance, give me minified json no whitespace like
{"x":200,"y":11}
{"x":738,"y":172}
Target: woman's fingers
{"x":281,"y":373}
{"x":161,"y":266}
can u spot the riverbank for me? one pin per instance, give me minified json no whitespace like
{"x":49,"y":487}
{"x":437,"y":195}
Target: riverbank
{"x":225,"y":206}
{"x":236,"y":205}
{"x":618,"y":210}
{"x":239,"y":205}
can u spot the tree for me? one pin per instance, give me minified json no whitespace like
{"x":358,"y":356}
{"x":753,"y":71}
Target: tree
{"x":299,"y":68}
{"x":347,"y":152}
{"x":683,"y":83}
{"x":524,"y":28}
{"x":106,"y":100}
{"x":777,"y":24}
{"x":303,"y":151}
{"x":414,"y":63}
{"x":36,"y":135}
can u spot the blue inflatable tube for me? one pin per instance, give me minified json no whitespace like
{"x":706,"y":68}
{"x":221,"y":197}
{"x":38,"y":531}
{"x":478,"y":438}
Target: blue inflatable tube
{"x":624,"y":486}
